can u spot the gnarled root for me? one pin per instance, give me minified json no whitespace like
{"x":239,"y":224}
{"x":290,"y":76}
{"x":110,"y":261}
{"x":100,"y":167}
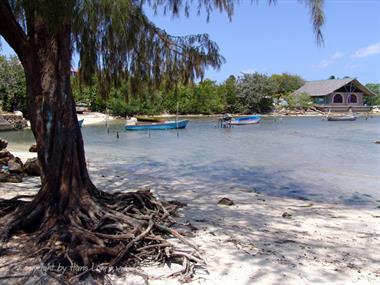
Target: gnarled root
{"x":102,"y":231}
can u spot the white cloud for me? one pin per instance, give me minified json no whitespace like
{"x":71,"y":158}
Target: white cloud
{"x":324,"y":63}
{"x":367,"y":51}
{"x":337,"y":55}
{"x":329,"y":61}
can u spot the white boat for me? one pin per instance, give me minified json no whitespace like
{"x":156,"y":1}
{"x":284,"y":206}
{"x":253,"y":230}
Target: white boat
{"x":342,"y":118}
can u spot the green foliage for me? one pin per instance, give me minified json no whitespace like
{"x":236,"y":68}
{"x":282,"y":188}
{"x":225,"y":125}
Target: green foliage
{"x":117,"y":106}
{"x":228,"y":91}
{"x":12,"y":85}
{"x":286,"y":83}
{"x":116,"y":41}
{"x":291,"y":100}
{"x":373,"y":100}
{"x":255,"y":92}
{"x":207,"y":98}
{"x":201,"y":98}
{"x":304,"y":101}
{"x":249,"y":93}
{"x":88,"y":95}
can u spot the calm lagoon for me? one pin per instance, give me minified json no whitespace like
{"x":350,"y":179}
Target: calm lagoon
{"x":305,"y":158}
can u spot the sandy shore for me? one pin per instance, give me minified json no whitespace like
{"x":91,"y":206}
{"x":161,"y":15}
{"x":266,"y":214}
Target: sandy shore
{"x":253,"y":241}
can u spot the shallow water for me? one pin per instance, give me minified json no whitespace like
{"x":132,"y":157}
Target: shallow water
{"x":305,"y":158}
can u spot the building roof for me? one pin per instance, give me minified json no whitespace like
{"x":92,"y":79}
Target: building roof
{"x":326,"y":87}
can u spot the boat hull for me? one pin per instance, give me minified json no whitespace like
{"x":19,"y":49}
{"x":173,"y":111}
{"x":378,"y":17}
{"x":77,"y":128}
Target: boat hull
{"x":341,"y":119}
{"x":158,"y":126}
{"x":248,"y":120}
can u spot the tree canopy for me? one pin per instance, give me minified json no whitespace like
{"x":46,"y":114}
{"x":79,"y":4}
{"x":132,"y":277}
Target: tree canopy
{"x":373,"y":100}
{"x":256,"y":91}
{"x":114,"y":39}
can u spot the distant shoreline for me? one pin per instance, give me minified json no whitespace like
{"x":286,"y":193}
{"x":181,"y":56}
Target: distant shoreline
{"x":270,"y":115}
{"x":94,"y":118}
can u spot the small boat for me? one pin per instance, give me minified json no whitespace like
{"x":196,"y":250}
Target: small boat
{"x":341,"y":118}
{"x":80,"y":122}
{"x":247,"y":120}
{"x":167,"y":125}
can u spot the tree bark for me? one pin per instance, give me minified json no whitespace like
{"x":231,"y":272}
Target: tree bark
{"x":46,"y":57}
{"x":65,"y":179}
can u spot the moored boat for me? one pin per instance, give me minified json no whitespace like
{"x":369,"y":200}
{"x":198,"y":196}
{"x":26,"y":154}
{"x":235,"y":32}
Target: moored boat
{"x":246,"y":120}
{"x":167,"y":125}
{"x":342,"y":118}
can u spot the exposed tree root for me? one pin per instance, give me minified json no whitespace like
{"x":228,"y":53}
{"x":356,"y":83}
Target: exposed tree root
{"x":103,"y":231}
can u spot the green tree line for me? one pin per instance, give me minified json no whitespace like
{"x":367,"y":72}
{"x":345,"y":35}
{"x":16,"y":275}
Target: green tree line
{"x":248,"y":93}
{"x":243,"y":94}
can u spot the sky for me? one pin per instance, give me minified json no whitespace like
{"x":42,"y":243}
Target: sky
{"x":279,"y":38}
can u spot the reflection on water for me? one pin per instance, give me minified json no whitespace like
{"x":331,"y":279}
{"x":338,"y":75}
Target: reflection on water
{"x":305,"y":158}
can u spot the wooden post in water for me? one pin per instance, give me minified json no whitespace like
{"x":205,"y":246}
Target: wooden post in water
{"x":107,"y":118}
{"x":176,"y":117}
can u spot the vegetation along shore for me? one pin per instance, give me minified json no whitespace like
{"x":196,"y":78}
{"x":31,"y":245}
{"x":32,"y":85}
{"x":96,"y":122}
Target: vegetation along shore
{"x":248,"y":93}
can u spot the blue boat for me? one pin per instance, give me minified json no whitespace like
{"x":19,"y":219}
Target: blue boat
{"x":181,"y":124}
{"x":80,"y":122}
{"x":247,"y":120}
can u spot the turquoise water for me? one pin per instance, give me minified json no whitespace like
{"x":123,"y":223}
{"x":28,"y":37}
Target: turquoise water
{"x":305,"y":158}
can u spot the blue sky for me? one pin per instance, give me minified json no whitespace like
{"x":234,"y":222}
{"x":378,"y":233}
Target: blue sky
{"x":276,"y":39}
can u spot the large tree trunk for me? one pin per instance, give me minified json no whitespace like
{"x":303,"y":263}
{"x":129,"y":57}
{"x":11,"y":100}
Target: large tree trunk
{"x":54,"y":121}
{"x":65,"y":180}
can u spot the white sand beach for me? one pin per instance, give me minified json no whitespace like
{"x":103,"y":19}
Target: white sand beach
{"x":254,"y":241}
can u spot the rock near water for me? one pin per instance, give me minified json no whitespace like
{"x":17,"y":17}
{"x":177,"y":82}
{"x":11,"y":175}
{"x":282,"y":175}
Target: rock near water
{"x":5,"y":155}
{"x":32,"y":167}
{"x":33,"y":148}
{"x":11,"y":121}
{"x":15,"y":165}
{"x":226,"y":201}
{"x":286,"y":215}
{"x":10,"y":177}
{"x":3,"y":144}
{"x":5,"y":125}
